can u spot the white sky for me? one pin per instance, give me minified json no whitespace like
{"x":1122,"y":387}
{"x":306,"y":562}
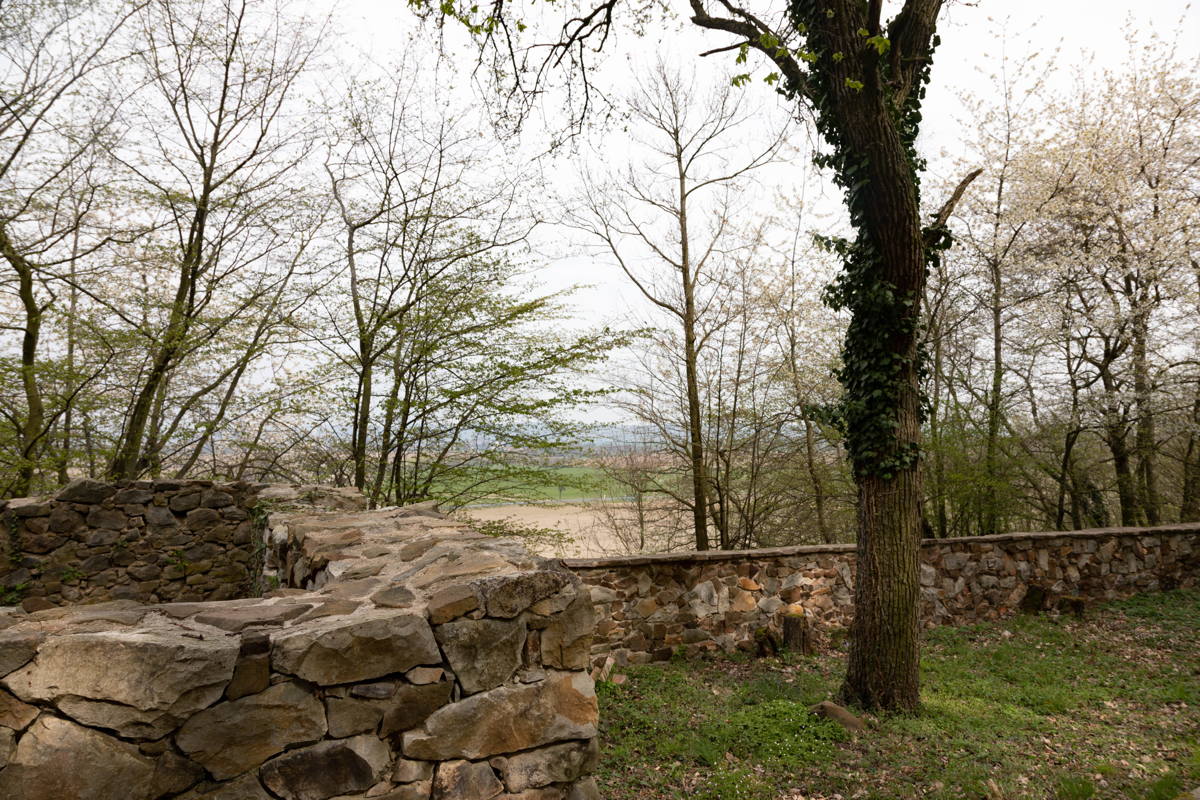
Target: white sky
{"x":973,"y":36}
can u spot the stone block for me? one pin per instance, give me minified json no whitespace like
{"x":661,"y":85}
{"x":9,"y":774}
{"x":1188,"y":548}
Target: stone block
{"x":509,"y":719}
{"x":151,"y":680}
{"x":327,"y":769}
{"x":238,"y":735}
{"x":482,"y":653}
{"x":359,"y":647}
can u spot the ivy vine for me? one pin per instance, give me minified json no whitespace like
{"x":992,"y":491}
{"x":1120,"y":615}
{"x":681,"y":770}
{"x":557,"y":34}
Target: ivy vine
{"x":872,"y":373}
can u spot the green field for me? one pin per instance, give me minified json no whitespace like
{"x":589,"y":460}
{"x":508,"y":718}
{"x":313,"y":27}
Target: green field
{"x":1034,"y":707}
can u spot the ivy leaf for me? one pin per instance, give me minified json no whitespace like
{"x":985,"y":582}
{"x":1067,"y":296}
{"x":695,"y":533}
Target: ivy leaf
{"x":772,"y":78}
{"x":853,"y":84}
{"x":740,"y":80}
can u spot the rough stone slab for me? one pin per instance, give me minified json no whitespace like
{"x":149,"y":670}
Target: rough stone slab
{"x":240,"y":618}
{"x":151,"y":679}
{"x":558,"y":763}
{"x":510,"y":595}
{"x":14,"y":714}
{"x":356,"y":648}
{"x":412,"y":705}
{"x":464,"y":780}
{"x":509,"y":719}
{"x":451,"y":602}
{"x":235,"y":736}
{"x":244,"y":788}
{"x":57,"y":759}
{"x":85,"y":490}
{"x":17,"y":648}
{"x":483,"y":653}
{"x":328,"y":769}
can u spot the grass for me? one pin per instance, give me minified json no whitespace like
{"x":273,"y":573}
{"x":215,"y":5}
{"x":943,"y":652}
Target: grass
{"x":1031,"y":707}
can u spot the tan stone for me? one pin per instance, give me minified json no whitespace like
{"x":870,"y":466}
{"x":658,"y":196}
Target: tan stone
{"x":57,"y":759}
{"x":567,"y":640}
{"x":150,"y":679}
{"x":360,"y":647}
{"x":464,"y":780}
{"x":749,"y":585}
{"x":235,"y":736}
{"x":451,"y":603}
{"x":420,"y":675}
{"x":509,"y":719}
{"x":14,"y":714}
{"x":405,"y":770}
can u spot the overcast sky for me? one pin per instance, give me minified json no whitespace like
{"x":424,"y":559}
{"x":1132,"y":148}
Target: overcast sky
{"x":974,"y":35}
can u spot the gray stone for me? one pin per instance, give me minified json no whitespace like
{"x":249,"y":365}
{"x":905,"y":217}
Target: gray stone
{"x":85,"y":490}
{"x":412,"y":705}
{"x":585,"y":789}
{"x":509,"y":719}
{"x":559,"y":763}
{"x":184,"y":502}
{"x":233,"y":737}
{"x":17,"y":648}
{"x":8,"y":742}
{"x":360,"y":647}
{"x":483,"y":653}
{"x":245,"y":788}
{"x":151,"y":678}
{"x":512,"y":594}
{"x":328,"y":769}
{"x":239,"y":618}
{"x":348,"y":716}
{"x":159,"y":515}
{"x":464,"y":780}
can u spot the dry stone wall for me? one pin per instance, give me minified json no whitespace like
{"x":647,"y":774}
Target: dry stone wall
{"x":649,"y":606}
{"x":406,"y":657}
{"x":151,"y":541}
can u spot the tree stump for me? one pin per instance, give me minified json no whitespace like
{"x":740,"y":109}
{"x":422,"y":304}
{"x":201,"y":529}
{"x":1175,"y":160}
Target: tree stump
{"x":797,"y":635}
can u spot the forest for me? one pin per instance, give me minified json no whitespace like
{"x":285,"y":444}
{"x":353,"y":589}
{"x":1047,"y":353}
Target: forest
{"x":227,"y":253}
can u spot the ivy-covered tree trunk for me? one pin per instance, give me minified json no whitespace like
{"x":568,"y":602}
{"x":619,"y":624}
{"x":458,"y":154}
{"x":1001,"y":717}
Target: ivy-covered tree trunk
{"x":866,"y":84}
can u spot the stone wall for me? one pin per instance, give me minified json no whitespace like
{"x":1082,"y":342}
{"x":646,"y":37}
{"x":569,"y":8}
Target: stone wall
{"x":648,"y":606}
{"x":151,"y":541}
{"x":405,"y":658}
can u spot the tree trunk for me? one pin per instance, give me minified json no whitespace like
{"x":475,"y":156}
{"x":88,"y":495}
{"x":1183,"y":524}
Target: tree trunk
{"x":695,"y":429}
{"x":884,"y":651}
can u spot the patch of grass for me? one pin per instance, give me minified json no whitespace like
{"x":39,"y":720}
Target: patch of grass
{"x":1030,"y":707}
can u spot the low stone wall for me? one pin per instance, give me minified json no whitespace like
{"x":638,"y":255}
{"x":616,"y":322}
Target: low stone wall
{"x":648,"y":606}
{"x":150,"y":541}
{"x":405,"y":658}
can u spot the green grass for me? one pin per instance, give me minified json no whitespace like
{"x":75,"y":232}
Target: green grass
{"x":1032,"y":707}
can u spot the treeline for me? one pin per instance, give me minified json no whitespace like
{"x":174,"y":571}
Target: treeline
{"x":1062,"y":331}
{"x":219,"y":257}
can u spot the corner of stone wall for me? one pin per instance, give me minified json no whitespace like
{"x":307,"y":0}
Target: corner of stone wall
{"x":403,"y":657}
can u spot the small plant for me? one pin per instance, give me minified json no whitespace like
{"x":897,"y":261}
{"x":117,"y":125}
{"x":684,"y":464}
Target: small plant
{"x":69,"y":575}
{"x":14,"y":539}
{"x":176,"y":559}
{"x":1075,"y":789}
{"x":12,"y":595}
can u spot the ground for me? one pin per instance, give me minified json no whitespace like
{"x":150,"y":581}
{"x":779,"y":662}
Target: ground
{"x":1031,"y":707}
